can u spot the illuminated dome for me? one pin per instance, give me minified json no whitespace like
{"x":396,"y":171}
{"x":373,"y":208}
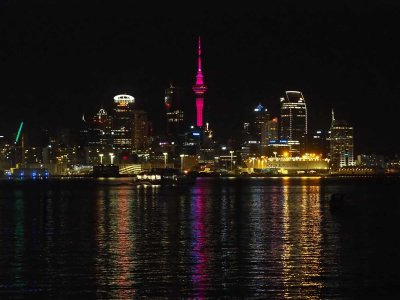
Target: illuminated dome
{"x":124,"y":98}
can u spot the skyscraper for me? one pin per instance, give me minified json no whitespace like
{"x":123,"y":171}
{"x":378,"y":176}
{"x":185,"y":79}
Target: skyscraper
{"x":273,"y":129}
{"x":260,"y":127}
{"x":294,"y":121}
{"x":199,"y":88}
{"x":261,"y":119}
{"x":141,"y":130}
{"x":96,"y":131}
{"x":102,"y":122}
{"x":123,"y":121}
{"x":131,"y":128}
{"x":173,"y":105}
{"x":341,"y":144}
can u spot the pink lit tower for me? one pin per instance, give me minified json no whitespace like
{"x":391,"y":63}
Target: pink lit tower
{"x":199,"y":88}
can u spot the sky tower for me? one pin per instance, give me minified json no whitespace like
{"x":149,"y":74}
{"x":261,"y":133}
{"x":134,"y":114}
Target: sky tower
{"x":199,"y":88}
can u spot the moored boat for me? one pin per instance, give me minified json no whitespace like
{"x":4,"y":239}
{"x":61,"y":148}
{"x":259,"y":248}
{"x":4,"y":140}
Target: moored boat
{"x":158,"y":176}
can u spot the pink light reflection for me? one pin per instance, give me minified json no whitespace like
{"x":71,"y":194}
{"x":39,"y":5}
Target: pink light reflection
{"x":123,"y":248}
{"x":199,"y":254}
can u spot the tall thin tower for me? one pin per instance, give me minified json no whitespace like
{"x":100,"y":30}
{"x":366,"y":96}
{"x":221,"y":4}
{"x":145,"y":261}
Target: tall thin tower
{"x":199,"y":88}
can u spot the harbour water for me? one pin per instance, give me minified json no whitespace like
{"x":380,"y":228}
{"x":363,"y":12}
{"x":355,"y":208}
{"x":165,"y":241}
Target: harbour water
{"x":259,"y":238}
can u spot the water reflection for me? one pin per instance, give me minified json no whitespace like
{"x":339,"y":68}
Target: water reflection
{"x":302,"y":237}
{"x":198,"y":244}
{"x":124,"y":245}
{"x":115,"y":242}
{"x":19,"y":235}
{"x":236,"y":238}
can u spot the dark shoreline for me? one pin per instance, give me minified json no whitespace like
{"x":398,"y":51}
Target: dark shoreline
{"x":221,"y":176}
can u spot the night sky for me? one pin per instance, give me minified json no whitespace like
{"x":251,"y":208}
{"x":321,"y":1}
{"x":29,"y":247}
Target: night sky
{"x":59,"y":59}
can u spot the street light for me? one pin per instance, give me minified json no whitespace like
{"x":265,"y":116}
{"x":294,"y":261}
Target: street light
{"x":253,"y":159}
{"x":275,"y":153}
{"x":231,"y":152}
{"x":182,"y":155}
{"x":101,"y":158}
{"x":165,"y":159}
{"x":112,"y":157}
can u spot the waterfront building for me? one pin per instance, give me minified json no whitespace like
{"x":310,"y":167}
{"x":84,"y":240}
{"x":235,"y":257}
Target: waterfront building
{"x":341,"y":144}
{"x":278,"y":148}
{"x":393,"y":166}
{"x":310,"y":164}
{"x":7,"y":155}
{"x":294,"y":122}
{"x":199,"y":88}
{"x":371,"y":160}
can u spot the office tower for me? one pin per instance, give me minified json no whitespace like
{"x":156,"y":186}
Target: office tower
{"x":260,"y":128}
{"x":294,"y":122}
{"x":101,"y":128}
{"x":273,"y":130}
{"x":341,"y":144}
{"x":141,"y":130}
{"x":199,"y":88}
{"x":122,"y":128}
{"x":318,"y":143}
{"x":174,"y":110}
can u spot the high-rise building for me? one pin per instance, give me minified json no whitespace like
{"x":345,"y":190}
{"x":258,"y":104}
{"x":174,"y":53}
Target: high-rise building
{"x":102,"y":125}
{"x":122,"y":130}
{"x":199,"y":88}
{"x":318,"y":142}
{"x":95,"y":131}
{"x":294,"y":122}
{"x":141,"y":130}
{"x":173,"y":105}
{"x":273,"y":130}
{"x":341,"y":144}
{"x":260,"y":128}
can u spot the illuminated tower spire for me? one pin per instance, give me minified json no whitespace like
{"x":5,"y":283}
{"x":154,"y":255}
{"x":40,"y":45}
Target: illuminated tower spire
{"x":199,"y":88}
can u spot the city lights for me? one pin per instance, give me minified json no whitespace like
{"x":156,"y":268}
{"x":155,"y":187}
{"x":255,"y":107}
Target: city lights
{"x":165,"y":159}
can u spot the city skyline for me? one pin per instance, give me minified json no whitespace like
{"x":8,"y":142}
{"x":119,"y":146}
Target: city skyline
{"x":58,"y":71}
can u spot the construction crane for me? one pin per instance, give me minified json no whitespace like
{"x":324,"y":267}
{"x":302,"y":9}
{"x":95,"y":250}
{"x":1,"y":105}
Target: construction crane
{"x":22,"y":144}
{"x":19,"y":132}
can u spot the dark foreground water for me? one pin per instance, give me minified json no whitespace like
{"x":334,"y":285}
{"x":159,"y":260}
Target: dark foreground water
{"x":221,"y":238}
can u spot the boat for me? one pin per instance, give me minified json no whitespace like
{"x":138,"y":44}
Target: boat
{"x":165,"y":176}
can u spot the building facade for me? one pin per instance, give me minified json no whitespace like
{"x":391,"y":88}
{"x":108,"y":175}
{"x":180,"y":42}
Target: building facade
{"x":174,"y":111}
{"x":141,"y":130}
{"x":341,"y":144}
{"x":122,"y":129}
{"x":294,"y":122}
{"x":260,"y":126}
